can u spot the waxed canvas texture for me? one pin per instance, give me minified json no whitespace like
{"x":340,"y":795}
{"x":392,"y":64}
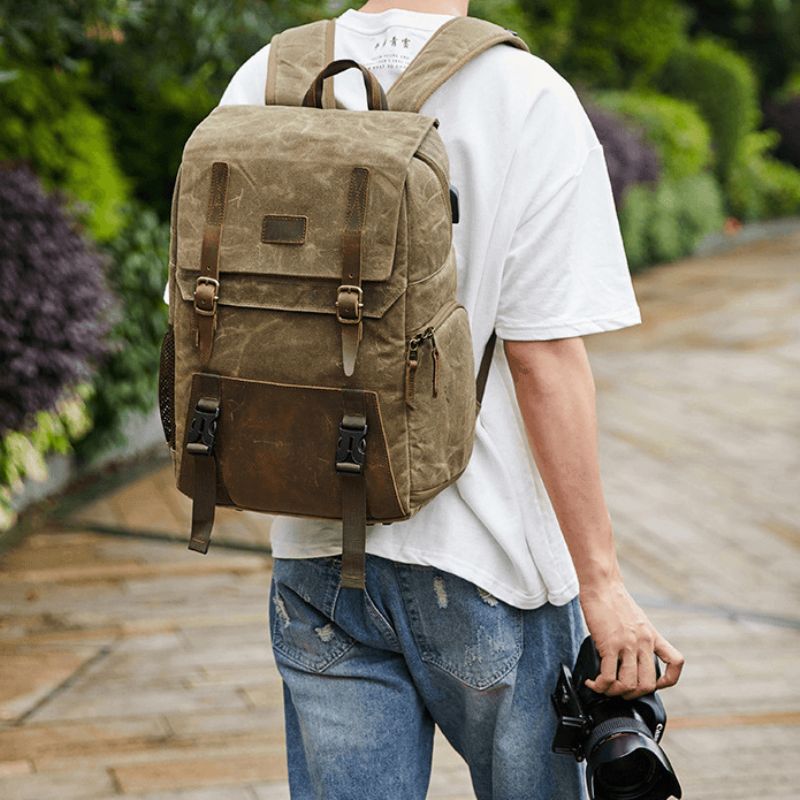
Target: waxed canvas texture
{"x":277,"y":345}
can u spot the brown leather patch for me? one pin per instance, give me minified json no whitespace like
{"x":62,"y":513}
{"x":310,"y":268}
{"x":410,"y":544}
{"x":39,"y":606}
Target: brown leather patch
{"x":283,"y":229}
{"x":276,"y":450}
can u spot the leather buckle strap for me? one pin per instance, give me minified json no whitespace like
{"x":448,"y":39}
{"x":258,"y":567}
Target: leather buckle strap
{"x":349,"y":304}
{"x":206,"y":295}
{"x":206,"y":292}
{"x":351,"y":452}
{"x":350,"y":296}
{"x":200,"y":440}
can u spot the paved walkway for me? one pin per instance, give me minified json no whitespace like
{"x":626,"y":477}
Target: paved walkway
{"x":130,"y":666}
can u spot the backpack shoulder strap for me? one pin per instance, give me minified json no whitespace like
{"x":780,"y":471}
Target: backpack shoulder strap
{"x":451,"y":46}
{"x":296,"y":57}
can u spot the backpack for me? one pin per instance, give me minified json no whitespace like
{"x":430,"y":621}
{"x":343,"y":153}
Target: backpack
{"x":317,"y":362}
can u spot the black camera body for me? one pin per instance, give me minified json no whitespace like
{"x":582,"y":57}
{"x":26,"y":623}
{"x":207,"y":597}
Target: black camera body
{"x":618,"y":738}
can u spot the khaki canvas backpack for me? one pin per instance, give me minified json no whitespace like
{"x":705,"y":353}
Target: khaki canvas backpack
{"x":317,"y":362}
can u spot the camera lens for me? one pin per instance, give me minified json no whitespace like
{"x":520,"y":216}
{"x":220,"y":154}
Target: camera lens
{"x":629,"y":777}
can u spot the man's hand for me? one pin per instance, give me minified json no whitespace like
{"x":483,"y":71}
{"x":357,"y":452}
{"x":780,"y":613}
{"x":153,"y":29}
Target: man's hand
{"x":626,"y":640}
{"x":556,"y":395}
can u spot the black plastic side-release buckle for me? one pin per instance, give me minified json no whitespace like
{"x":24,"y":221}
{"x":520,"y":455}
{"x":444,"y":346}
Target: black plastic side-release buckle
{"x":351,"y":449}
{"x":203,"y":427}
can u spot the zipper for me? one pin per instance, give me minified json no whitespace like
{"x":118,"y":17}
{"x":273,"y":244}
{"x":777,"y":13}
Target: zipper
{"x":425,"y":337}
{"x":443,"y":182}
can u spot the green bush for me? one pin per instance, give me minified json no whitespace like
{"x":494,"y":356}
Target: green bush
{"x":766,"y":32}
{"x":619,"y":43}
{"x":166,"y":69}
{"x":506,"y":13}
{"x":674,"y":127}
{"x":22,"y":454}
{"x":156,"y":69}
{"x":47,"y":124}
{"x":723,"y":86}
{"x":760,"y":186}
{"x":127,"y":379}
{"x":666,"y":222}
{"x":551,"y":24}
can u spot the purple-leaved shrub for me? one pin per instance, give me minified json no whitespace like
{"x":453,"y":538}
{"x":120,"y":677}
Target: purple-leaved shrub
{"x":630,"y":158}
{"x":53,"y":303}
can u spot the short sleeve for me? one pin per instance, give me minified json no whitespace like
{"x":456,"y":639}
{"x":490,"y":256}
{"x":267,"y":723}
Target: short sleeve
{"x":248,"y":84}
{"x":566,"y":272}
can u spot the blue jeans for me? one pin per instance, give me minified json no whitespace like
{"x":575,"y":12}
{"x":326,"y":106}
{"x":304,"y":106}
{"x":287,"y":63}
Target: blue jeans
{"x":367,"y":675}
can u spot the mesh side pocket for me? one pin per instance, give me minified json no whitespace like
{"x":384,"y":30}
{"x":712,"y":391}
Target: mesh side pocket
{"x":166,"y":386}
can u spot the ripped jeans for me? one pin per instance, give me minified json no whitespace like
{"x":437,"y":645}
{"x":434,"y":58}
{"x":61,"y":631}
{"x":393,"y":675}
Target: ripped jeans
{"x":367,"y":675}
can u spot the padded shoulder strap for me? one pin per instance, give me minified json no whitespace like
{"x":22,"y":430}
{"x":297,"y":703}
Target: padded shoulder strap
{"x":452,"y":45}
{"x":296,"y":57}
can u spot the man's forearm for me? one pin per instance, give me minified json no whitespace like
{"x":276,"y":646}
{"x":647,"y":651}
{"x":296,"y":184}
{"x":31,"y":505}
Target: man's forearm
{"x":556,"y":395}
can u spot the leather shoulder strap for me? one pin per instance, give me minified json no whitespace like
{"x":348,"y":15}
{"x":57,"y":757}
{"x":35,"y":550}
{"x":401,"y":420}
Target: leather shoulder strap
{"x":452,"y":45}
{"x":296,"y":57}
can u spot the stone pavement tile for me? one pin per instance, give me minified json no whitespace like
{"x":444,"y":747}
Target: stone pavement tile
{"x":449,"y":774}
{"x":152,"y":504}
{"x":267,"y":696}
{"x":736,"y":763}
{"x":122,"y":570}
{"x":96,"y":701}
{"x":22,"y":766}
{"x":271,"y":791}
{"x":209,"y":748}
{"x":232,"y":770}
{"x":224,"y":722}
{"x":71,"y":784}
{"x":214,"y":793}
{"x":72,"y":739}
{"x":26,"y":678}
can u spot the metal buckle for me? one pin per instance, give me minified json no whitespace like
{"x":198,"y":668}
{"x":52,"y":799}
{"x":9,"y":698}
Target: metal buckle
{"x":351,"y":449}
{"x":203,"y":428}
{"x":359,"y":305}
{"x":204,"y":280}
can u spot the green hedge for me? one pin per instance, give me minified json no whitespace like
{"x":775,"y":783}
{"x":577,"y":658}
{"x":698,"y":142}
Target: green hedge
{"x":127,"y":379}
{"x":674,"y":127}
{"x":666,"y":222}
{"x":723,"y":86}
{"x":506,"y":13}
{"x":622,"y":43}
{"x":760,"y":186}
{"x":47,"y":123}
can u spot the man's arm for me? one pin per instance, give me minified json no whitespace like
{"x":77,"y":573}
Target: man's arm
{"x":556,"y":395}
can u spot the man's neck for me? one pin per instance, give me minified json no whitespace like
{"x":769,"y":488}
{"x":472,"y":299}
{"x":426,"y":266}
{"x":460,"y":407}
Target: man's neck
{"x":456,"y":7}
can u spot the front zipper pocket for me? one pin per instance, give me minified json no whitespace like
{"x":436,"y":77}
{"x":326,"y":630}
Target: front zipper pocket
{"x":440,"y":401}
{"x":422,"y":342}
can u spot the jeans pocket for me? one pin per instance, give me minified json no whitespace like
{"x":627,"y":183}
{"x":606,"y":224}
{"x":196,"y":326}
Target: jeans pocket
{"x":302,"y":594}
{"x":460,"y":628}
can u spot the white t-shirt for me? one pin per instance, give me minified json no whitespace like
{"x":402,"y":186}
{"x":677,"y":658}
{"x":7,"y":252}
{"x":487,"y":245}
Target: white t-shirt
{"x":540,"y":256}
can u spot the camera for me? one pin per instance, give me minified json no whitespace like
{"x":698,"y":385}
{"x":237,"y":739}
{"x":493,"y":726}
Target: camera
{"x":618,"y":738}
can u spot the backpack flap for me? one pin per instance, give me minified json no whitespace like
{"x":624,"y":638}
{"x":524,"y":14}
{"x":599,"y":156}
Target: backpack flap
{"x":288,"y":201}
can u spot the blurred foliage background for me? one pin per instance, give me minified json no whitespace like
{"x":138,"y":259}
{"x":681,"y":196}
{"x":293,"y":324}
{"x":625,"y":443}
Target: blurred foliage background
{"x":697,"y":104}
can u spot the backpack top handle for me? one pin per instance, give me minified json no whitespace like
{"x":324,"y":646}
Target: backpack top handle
{"x":376,"y":97}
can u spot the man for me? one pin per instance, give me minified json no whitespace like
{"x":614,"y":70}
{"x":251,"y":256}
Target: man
{"x":471,"y":605}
